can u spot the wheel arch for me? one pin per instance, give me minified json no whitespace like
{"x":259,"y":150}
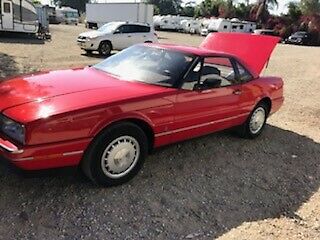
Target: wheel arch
{"x":144,"y":125}
{"x":267,"y":101}
{"x":107,"y":41}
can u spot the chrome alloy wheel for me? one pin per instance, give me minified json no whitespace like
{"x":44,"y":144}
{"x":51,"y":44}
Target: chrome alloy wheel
{"x":120,"y":157}
{"x":257,"y":120}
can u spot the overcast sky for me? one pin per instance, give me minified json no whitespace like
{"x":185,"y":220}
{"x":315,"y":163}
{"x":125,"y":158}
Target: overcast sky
{"x":281,"y":9}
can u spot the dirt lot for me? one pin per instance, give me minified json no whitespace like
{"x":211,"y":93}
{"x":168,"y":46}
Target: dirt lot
{"x":216,"y":186}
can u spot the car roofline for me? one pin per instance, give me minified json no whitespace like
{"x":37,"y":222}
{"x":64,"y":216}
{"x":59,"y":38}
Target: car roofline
{"x":200,"y":52}
{"x":196,"y":51}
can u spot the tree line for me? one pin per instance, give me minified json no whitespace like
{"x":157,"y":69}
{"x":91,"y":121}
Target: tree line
{"x":302,"y":15}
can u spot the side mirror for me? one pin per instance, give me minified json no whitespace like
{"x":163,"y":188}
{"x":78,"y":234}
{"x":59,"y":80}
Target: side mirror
{"x":116,"y":31}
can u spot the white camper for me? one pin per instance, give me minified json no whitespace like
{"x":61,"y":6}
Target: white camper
{"x":18,"y":16}
{"x":98,"y":14}
{"x":170,"y":22}
{"x":231,"y":25}
{"x":190,"y":26}
{"x":67,"y":15}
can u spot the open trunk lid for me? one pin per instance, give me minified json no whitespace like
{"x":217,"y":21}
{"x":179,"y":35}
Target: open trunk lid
{"x":253,"y":50}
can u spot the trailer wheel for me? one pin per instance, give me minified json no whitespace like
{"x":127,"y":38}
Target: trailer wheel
{"x":105,"y":48}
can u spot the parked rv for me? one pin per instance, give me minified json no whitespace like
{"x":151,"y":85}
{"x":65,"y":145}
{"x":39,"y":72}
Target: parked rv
{"x":204,"y":27}
{"x":22,"y":16}
{"x":99,"y":14}
{"x":229,"y":25}
{"x":67,"y":15}
{"x":190,"y":26}
{"x":53,"y":18}
{"x":170,"y":22}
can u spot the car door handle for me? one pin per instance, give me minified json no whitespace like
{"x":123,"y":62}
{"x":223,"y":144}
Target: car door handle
{"x":237,"y":92}
{"x":129,"y":35}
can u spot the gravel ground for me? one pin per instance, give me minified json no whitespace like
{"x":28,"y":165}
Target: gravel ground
{"x":217,"y":186}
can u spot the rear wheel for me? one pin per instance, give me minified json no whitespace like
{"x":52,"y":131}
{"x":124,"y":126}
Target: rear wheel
{"x":255,"y":123}
{"x":116,"y":155}
{"x":105,"y":48}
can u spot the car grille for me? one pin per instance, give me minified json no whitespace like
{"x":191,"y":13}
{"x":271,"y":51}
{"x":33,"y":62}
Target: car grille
{"x":82,"y":38}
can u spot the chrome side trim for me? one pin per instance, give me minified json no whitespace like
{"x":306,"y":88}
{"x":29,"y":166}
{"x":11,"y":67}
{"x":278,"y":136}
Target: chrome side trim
{"x":33,"y":158}
{"x":23,"y":159}
{"x":72,"y":153}
{"x":198,"y":126}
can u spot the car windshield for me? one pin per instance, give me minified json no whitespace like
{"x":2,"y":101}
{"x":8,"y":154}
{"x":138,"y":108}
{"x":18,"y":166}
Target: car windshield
{"x":108,"y":28}
{"x":147,"y":64}
{"x":300,"y":34}
{"x":71,"y":15}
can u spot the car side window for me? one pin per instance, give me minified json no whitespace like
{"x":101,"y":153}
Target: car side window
{"x":124,"y":29}
{"x":193,"y":78}
{"x":244,"y":75}
{"x":220,"y":69}
{"x":143,"y":29}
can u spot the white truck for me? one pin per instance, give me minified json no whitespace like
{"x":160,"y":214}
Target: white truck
{"x":99,"y":14}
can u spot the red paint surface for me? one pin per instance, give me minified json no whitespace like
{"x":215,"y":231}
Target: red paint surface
{"x":254,"y":50}
{"x":64,"y":110}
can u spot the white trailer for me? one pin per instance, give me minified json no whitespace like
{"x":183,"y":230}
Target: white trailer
{"x":18,"y":16}
{"x":170,"y":22}
{"x":67,"y":15}
{"x":231,"y":25}
{"x":190,"y":26}
{"x":99,"y":14}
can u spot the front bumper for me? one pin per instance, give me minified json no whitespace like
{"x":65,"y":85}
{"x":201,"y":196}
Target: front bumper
{"x":46,"y":156}
{"x":88,"y":44}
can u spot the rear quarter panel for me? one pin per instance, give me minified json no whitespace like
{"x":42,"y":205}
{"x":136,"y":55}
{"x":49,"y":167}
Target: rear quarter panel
{"x":262,"y":87}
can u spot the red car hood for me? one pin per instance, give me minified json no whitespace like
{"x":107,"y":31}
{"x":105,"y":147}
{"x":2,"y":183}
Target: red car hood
{"x":254,"y":50}
{"x":66,"y":90}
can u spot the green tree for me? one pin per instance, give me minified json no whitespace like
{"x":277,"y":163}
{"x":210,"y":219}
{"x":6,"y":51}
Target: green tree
{"x":77,"y":4}
{"x":167,"y":6}
{"x":294,"y":11}
{"x":242,"y":11}
{"x":263,"y":6}
{"x":309,"y":7}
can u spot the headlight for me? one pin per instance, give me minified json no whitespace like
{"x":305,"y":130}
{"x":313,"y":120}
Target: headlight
{"x":12,"y":129}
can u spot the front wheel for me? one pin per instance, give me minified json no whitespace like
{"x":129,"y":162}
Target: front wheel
{"x":255,"y":123}
{"x":116,"y":155}
{"x":105,"y":48}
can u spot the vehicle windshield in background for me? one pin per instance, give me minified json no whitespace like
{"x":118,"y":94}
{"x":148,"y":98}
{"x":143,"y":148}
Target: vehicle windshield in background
{"x":71,"y":15}
{"x":300,"y":34}
{"x":147,"y":64}
{"x":108,"y":28}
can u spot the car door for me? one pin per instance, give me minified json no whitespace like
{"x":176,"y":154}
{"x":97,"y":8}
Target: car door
{"x":124,"y":37}
{"x":7,"y":14}
{"x":208,"y":100}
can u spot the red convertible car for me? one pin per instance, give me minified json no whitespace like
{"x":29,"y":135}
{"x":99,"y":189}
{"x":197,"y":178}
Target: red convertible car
{"x":106,"y":118}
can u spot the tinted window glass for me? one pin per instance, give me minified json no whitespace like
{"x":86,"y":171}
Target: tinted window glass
{"x":142,"y":28}
{"x":218,"y":68}
{"x":125,"y":29}
{"x":244,"y":75}
{"x":6,"y":8}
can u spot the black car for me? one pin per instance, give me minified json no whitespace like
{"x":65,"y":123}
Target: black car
{"x":302,"y":38}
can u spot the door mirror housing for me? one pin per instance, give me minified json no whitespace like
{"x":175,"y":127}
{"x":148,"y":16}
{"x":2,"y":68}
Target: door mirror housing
{"x":117,"y":31}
